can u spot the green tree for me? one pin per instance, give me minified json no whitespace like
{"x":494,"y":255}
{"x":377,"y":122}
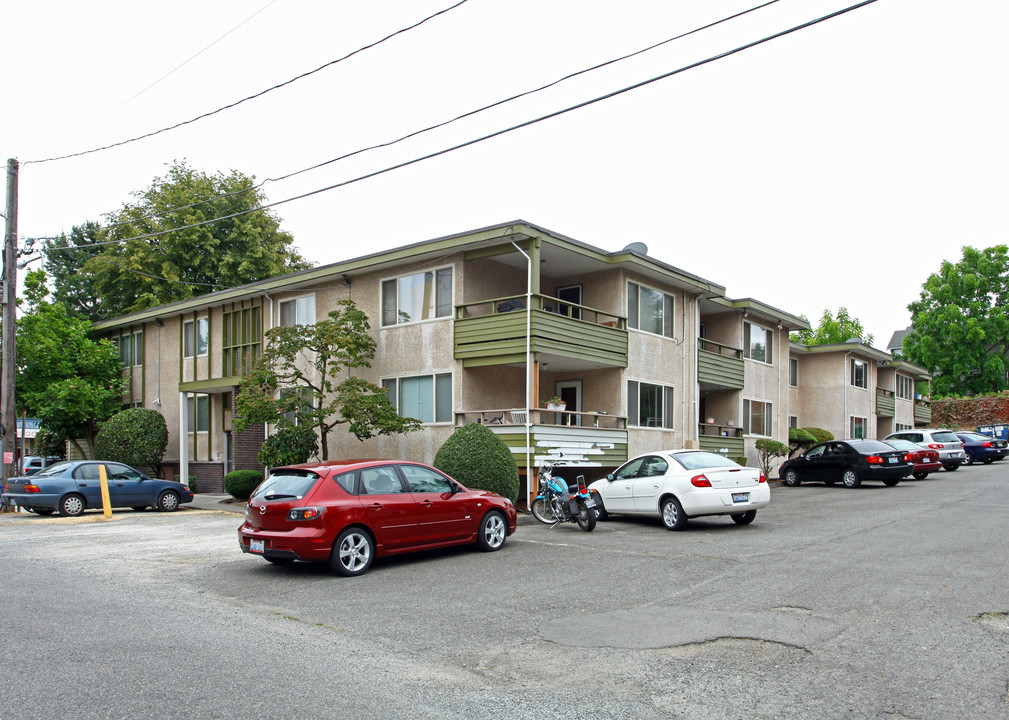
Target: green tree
{"x":767,"y":451}
{"x":123,"y":274}
{"x":136,"y":436}
{"x":290,"y":445}
{"x":68,"y":381}
{"x":479,"y":459}
{"x":960,"y":325}
{"x":298,"y":373}
{"x":833,"y":330}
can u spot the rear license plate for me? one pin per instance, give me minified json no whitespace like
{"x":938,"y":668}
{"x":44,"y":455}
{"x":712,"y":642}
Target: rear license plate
{"x":257,"y":546}
{"x":740,"y":497}
{"x":590,"y":502}
{"x":892,"y":460}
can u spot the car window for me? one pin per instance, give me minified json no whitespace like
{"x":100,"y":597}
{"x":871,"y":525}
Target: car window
{"x":348,"y":481}
{"x":701,"y":460}
{"x":425,"y":480}
{"x":945,"y":437}
{"x":117,"y":471}
{"x":286,"y":484}
{"x":630,"y":470}
{"x":816,"y":451}
{"x":56,"y":469}
{"x":380,"y":481}
{"x":88,"y":471}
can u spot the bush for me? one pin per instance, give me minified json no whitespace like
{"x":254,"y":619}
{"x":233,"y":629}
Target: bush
{"x":192,"y":483}
{"x":767,"y":450}
{"x":290,"y":445}
{"x":50,"y":444}
{"x":137,"y":437}
{"x":819,"y":434}
{"x":479,"y":459}
{"x":240,"y":483}
{"x":799,"y":438}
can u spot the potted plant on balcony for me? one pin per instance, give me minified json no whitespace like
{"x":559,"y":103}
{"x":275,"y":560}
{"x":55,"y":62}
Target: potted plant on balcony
{"x":555,"y":403}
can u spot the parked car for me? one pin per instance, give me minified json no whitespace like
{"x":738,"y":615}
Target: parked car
{"x":73,"y":487}
{"x":680,"y":484}
{"x":848,"y":461}
{"x":31,"y":464}
{"x":981,"y":447}
{"x":950,"y":447}
{"x":924,"y":459}
{"x":348,"y":512}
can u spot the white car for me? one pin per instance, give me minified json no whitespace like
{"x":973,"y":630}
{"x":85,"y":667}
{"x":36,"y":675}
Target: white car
{"x":681,"y":484}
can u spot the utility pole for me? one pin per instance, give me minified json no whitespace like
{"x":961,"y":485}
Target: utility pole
{"x":8,"y":417}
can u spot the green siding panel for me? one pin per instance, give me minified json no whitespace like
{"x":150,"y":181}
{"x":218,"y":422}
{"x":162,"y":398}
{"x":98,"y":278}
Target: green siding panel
{"x":722,"y":370}
{"x":885,"y":406}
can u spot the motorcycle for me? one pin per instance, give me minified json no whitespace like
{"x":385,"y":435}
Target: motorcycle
{"x":559,"y":502}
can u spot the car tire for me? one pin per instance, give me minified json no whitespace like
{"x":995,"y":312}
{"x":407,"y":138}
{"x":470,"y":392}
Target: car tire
{"x":601,"y":513}
{"x":72,"y":505}
{"x":352,"y":552}
{"x":988,"y":461}
{"x":951,"y":467}
{"x":744,"y":518}
{"x":42,"y":511}
{"x":890,"y":483}
{"x":493,"y":532}
{"x":919,"y":475}
{"x":850,"y":478}
{"x":139,"y":508}
{"x":168,"y":501}
{"x":673,"y":516}
{"x":968,"y":459}
{"x":791,"y":478}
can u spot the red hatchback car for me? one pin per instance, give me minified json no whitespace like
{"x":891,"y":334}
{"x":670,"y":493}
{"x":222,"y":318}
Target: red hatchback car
{"x":348,"y":512}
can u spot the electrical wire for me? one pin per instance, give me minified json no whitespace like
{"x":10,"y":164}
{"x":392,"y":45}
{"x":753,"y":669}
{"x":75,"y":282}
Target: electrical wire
{"x":527,"y":123}
{"x":250,"y":97}
{"x":455,"y":119}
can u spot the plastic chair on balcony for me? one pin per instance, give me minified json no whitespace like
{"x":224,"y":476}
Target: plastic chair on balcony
{"x":518,"y":417}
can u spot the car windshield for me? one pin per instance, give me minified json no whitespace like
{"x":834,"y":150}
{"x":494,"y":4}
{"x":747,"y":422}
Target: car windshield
{"x":54,"y":469}
{"x":945,"y":436}
{"x":286,"y":484}
{"x":870,"y":447}
{"x":701,"y":460}
{"x":974,"y":437}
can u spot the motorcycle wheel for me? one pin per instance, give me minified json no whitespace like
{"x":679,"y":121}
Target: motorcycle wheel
{"x":542,"y":511}
{"x":586,"y":518}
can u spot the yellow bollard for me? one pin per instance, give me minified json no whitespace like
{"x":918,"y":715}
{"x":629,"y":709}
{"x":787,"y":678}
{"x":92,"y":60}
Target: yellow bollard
{"x":106,"y":502}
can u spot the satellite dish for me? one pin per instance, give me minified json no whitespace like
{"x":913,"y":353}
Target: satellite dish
{"x":638,"y":247}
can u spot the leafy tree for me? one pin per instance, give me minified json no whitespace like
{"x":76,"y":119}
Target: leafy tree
{"x":137,"y":437}
{"x":479,"y":459}
{"x":833,"y":330}
{"x":50,"y":444}
{"x":960,"y":325}
{"x":125,"y":275}
{"x":301,"y":364}
{"x":290,"y":445}
{"x":767,"y":450}
{"x":70,"y":382}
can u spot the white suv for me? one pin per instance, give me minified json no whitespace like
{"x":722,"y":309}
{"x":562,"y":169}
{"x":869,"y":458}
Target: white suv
{"x":950,"y":447}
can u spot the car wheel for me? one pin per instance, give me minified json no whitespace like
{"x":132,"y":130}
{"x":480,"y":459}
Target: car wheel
{"x":890,"y":483}
{"x":919,"y":475}
{"x":493,"y":531}
{"x":744,"y":518}
{"x":673,"y":516}
{"x":968,"y":459}
{"x":850,"y":478}
{"x":601,"y":513}
{"x":72,"y":506}
{"x":352,"y":553}
{"x":169,"y":501}
{"x":951,"y":466}
{"x":791,"y":478}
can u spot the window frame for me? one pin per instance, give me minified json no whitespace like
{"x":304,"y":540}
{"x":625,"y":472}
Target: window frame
{"x":768,"y":417}
{"x":793,"y":372}
{"x":297,"y":302}
{"x":668,"y":313}
{"x":194,"y":414}
{"x":442,"y":300}
{"x":439,"y":414}
{"x":768,"y":358}
{"x":863,"y":421}
{"x":908,"y":383}
{"x":667,"y":400}
{"x":853,"y":374}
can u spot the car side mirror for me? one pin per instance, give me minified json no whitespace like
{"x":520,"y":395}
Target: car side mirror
{"x":611,"y":477}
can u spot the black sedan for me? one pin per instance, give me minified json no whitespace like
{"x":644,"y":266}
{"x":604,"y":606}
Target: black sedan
{"x":73,"y":487}
{"x":850,"y":461}
{"x":981,"y":448}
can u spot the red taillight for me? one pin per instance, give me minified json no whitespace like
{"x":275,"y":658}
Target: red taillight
{"x":762,"y":478}
{"x":935,"y":446}
{"x":304,"y":513}
{"x":987,"y":444}
{"x":908,"y":458}
{"x":700,"y":481}
{"x":582,"y":489}
{"x":874,"y":459}
{"x":32,"y":488}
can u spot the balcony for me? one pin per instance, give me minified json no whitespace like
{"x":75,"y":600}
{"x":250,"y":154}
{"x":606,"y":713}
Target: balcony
{"x":493,"y":332}
{"x":922,"y":414}
{"x":885,"y":404}
{"x":719,"y":367}
{"x":599,"y":439}
{"x":723,"y":439}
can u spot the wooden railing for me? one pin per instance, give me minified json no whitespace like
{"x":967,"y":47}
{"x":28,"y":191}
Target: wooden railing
{"x":547,"y":303}
{"x":542,"y":416}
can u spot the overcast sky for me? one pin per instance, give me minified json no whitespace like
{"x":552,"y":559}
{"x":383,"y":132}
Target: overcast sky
{"x":838,"y":165}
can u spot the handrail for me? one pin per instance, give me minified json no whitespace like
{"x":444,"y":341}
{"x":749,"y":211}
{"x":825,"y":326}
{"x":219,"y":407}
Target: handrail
{"x":541,"y":416}
{"x":702,"y":344}
{"x":543,"y":303}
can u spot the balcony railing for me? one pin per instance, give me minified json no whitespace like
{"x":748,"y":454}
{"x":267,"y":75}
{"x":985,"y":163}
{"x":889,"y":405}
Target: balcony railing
{"x":885,"y":403}
{"x":723,"y":439}
{"x":922,"y":414}
{"x":719,"y":366}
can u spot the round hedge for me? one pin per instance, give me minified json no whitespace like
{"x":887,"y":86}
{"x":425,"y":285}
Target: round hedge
{"x":479,"y":459}
{"x":136,"y":437}
{"x":820,"y":434}
{"x":240,"y":483}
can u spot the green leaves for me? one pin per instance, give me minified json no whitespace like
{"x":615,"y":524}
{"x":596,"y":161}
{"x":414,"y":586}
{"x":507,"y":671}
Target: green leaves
{"x":833,"y":330}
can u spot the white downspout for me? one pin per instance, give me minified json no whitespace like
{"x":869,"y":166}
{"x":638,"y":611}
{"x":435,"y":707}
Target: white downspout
{"x":184,"y":439}
{"x":529,"y":310}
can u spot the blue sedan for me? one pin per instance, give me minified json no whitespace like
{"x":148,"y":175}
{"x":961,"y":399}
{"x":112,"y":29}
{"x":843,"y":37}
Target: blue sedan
{"x":981,"y":448}
{"x":73,"y":487}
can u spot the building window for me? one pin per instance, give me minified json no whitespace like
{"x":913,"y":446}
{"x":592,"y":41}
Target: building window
{"x":195,"y":337}
{"x":300,"y":311}
{"x":138,"y":348}
{"x":793,"y":422}
{"x":905,"y":387}
{"x":757,"y":343}
{"x":859,"y":373}
{"x":857,"y":427}
{"x":242,"y":339}
{"x":757,"y":418}
{"x":427,"y":398}
{"x":198,"y":409}
{"x":898,"y":427}
{"x":793,"y":372}
{"x":649,"y":310}
{"x":649,"y":405}
{"x":412,"y":298}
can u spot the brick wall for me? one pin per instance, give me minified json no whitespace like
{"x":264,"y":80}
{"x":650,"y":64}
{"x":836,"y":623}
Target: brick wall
{"x":246,"y":445}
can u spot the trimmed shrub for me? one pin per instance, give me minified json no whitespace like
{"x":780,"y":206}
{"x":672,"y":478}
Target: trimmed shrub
{"x":767,"y":450}
{"x":137,"y":437}
{"x":479,"y":459}
{"x":240,"y":483}
{"x":290,"y":445}
{"x":799,"y":439}
{"x":819,"y":434}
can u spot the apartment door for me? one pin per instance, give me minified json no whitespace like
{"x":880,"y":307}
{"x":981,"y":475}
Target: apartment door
{"x":570,"y":392}
{"x":570,"y":294}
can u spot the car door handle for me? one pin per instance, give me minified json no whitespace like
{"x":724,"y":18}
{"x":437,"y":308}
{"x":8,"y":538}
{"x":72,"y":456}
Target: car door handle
{"x":377,"y":506}
{"x":425,"y":503}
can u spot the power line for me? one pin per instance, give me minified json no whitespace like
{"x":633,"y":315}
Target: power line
{"x":455,"y":119}
{"x":497,"y":133}
{"x":250,"y":97}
